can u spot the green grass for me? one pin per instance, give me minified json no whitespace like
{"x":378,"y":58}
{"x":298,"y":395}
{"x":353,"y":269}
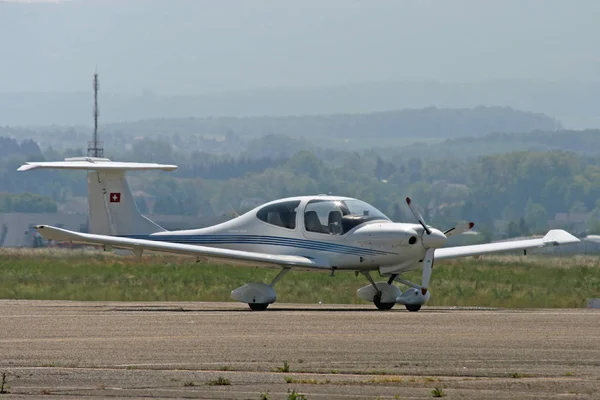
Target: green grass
{"x":284,"y":368}
{"x":509,"y":281}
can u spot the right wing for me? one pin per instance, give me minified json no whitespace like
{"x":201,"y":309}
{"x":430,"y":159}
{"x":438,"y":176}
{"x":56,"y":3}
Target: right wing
{"x":138,"y":245}
{"x":592,"y":238}
{"x":554,"y":237}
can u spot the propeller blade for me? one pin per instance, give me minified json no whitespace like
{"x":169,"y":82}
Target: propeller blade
{"x":458,"y":229}
{"x":417,"y":215}
{"x":427,"y":268}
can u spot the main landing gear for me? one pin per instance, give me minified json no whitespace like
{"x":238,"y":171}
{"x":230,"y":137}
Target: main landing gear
{"x":258,"y":306}
{"x":380,"y":305}
{"x":258,"y":296}
{"x":385,"y":295}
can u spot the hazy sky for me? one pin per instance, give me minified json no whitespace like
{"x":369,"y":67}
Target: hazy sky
{"x":197,"y":46}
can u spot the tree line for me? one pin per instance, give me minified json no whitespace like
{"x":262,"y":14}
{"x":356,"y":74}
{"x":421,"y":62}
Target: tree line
{"x":524,"y":189}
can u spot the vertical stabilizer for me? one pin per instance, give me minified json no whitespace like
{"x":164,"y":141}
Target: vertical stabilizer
{"x":112,"y":209}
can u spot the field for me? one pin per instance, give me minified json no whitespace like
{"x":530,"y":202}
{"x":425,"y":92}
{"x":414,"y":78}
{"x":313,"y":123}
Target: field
{"x":507,"y":281}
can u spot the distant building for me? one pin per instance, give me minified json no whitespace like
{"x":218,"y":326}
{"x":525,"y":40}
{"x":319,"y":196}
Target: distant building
{"x":17,"y":229}
{"x":76,"y":205}
{"x":573,"y":222}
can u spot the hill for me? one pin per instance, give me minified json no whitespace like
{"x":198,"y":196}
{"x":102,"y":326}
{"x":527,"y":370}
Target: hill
{"x":338,"y":131}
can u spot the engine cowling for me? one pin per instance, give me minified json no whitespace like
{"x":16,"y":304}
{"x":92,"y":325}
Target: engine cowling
{"x":259,"y":293}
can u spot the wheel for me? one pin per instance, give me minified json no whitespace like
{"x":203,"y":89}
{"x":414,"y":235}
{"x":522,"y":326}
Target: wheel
{"x":380,"y":305}
{"x":258,"y":306}
{"x":413,"y":307}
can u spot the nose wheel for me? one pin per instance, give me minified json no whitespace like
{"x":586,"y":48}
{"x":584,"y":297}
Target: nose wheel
{"x":413,"y":307}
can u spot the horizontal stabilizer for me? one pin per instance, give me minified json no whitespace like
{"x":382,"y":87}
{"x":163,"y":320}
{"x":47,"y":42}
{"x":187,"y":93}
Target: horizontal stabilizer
{"x":137,"y":245}
{"x":96,"y":164}
{"x":554,"y":237}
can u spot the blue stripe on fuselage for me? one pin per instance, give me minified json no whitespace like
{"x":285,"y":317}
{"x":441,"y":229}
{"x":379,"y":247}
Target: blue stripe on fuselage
{"x":263,"y":240}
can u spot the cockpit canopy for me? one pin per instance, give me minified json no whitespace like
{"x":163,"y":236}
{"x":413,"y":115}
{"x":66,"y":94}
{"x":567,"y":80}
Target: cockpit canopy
{"x":331,"y":217}
{"x":336,"y":217}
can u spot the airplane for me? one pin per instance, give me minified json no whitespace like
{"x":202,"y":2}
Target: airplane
{"x":309,"y":233}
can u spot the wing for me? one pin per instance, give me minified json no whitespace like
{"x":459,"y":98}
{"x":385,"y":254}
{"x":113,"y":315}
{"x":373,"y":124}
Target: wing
{"x":592,"y":238}
{"x":554,"y":237}
{"x":137,"y":245}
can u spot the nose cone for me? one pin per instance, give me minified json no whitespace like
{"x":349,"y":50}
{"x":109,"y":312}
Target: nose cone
{"x":435,"y":239}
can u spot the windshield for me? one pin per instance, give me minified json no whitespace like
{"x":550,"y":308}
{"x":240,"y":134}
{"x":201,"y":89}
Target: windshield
{"x":336,"y":217}
{"x":358,"y":207}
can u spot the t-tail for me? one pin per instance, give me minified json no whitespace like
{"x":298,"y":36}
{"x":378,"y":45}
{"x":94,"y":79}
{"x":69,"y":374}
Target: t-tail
{"x":112,"y":209}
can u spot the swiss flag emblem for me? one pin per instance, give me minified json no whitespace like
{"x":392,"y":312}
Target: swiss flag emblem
{"x":115,"y":197}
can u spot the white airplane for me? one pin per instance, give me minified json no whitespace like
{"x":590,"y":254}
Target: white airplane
{"x":314,"y":233}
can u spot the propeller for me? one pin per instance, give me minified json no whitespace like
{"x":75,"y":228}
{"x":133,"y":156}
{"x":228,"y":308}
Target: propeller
{"x":417,"y":215}
{"x":432,"y":239}
{"x":458,"y":229}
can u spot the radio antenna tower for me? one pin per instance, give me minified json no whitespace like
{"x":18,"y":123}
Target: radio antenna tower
{"x":95,"y":148}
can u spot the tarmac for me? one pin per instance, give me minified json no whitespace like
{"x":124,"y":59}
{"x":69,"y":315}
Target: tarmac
{"x":63,"y":349}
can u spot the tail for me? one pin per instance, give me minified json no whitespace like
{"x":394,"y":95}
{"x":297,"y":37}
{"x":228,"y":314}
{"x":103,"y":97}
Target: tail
{"x":112,"y":209}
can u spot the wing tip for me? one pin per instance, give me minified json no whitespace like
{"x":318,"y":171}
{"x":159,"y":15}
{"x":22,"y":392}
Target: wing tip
{"x":559,"y":236}
{"x":26,"y":167}
{"x":592,"y":238}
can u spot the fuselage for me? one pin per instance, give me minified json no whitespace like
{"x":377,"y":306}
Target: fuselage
{"x":348,"y":233}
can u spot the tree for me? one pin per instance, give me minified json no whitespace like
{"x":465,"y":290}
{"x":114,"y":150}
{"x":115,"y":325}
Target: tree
{"x":523,"y":227}
{"x":306,"y":163}
{"x":28,"y":203}
{"x":536,"y":216}
{"x":578,"y":207}
{"x":518,"y":228}
{"x":513,"y":229}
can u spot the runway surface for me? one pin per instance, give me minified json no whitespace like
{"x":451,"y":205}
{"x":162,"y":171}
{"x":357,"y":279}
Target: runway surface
{"x":170,"y":350}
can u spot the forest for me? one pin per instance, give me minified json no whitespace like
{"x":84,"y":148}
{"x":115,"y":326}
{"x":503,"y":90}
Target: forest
{"x":506,"y":193}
